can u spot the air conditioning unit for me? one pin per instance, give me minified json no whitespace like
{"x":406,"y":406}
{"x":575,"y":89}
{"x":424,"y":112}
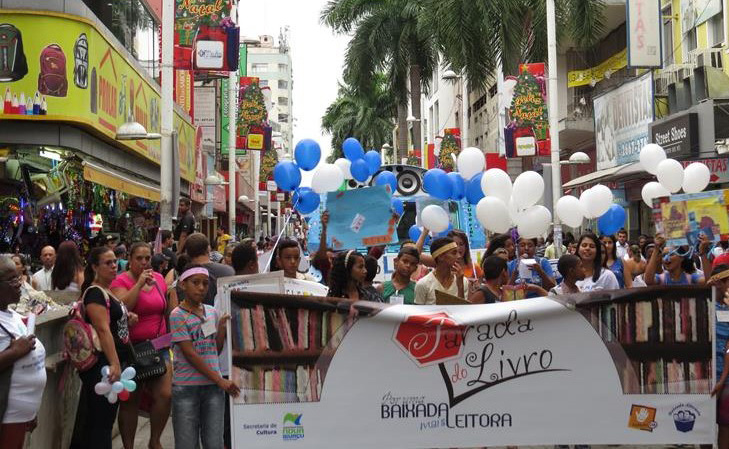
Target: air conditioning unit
{"x":709,"y":58}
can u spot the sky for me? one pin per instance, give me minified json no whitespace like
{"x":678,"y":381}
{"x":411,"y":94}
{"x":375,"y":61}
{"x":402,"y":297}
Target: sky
{"x":317,"y":57}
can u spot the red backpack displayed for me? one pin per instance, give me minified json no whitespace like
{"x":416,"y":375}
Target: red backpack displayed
{"x":52,"y":77}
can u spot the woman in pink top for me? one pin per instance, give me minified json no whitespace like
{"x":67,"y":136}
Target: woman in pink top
{"x":145,"y":293}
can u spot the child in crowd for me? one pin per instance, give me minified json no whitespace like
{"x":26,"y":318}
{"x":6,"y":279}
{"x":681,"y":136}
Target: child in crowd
{"x":572,"y":270}
{"x":496,"y":274}
{"x":198,"y":389}
{"x":372,"y":269}
{"x":288,"y":258}
{"x":347,"y":277}
{"x":401,"y":289}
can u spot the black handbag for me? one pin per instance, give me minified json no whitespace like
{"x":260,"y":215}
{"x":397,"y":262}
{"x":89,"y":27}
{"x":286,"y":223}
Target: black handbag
{"x":148,"y":361}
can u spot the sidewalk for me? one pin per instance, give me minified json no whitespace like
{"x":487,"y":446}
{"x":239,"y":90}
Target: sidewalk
{"x":142,"y":437}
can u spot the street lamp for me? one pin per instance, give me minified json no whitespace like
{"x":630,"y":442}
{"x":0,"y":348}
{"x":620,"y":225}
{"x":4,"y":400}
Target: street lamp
{"x":576,"y":158}
{"x":450,"y":75}
{"x":214,"y":180}
{"x":133,"y":130}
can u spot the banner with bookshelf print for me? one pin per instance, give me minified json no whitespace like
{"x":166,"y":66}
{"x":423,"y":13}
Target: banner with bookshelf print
{"x":625,"y":367}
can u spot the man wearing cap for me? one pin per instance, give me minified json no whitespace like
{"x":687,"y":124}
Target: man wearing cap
{"x":185,"y":224}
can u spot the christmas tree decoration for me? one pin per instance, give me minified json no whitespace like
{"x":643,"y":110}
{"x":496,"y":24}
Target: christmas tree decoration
{"x":252,"y":115}
{"x":449,"y":148}
{"x":529,"y":118}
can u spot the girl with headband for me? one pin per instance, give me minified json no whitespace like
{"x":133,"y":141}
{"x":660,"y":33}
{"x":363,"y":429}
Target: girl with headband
{"x":447,"y":276}
{"x":347,"y":276}
{"x":198,"y":389}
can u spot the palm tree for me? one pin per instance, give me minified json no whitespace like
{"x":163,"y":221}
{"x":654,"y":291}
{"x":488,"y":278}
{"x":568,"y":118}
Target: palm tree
{"x":366,"y":114}
{"x":388,"y":37}
{"x":475,"y":35}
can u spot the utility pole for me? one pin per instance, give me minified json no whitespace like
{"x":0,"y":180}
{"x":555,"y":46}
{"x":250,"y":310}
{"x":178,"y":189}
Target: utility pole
{"x":167,"y":112}
{"x":553,"y":122}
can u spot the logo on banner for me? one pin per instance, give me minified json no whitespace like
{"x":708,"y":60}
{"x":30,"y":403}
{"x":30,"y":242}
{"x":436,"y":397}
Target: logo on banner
{"x":209,"y":54}
{"x":642,"y":418}
{"x":430,"y":339}
{"x":684,"y":416}
{"x":292,"y":428}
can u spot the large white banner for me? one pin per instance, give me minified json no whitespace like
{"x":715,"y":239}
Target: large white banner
{"x":530,"y":372}
{"x":644,"y":33}
{"x":622,"y":118}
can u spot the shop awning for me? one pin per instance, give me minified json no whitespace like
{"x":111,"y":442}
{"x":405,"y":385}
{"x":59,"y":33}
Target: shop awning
{"x":114,"y":180}
{"x":606,"y":174}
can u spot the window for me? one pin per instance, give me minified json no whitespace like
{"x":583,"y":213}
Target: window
{"x":283,"y":84}
{"x":283,"y":101}
{"x":283,"y":67}
{"x":667,"y":37}
{"x":262,"y":83}
{"x":690,"y":39}
{"x":259,"y":67}
{"x":716,"y":30}
{"x":134,"y":26}
{"x":492,"y":91}
{"x":283,"y":118}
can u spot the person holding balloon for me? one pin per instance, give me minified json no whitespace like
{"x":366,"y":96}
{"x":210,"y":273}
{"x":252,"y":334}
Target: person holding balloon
{"x":111,"y":320}
{"x":615,"y":263}
{"x":589,"y":249}
{"x":447,"y":276}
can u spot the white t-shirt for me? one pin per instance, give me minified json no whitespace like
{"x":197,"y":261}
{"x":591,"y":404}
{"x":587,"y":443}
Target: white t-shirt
{"x":606,"y":281}
{"x":29,"y":373}
{"x":42,"y":279}
{"x":426,"y":287}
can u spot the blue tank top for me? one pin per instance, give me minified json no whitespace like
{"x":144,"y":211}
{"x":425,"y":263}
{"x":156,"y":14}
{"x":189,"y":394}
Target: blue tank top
{"x":617,"y":269}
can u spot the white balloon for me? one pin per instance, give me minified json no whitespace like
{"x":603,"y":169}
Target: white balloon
{"x":601,"y":198}
{"x":471,"y":161}
{"x":585,"y":198}
{"x":514,"y":211}
{"x":101,"y":388}
{"x":111,"y":397}
{"x":496,"y":182}
{"x":435,"y":218}
{"x":128,"y":373}
{"x":650,"y":156}
{"x":344,"y":165}
{"x":327,"y":178}
{"x":528,"y":189}
{"x":653,"y":190}
{"x":534,"y":222}
{"x":569,"y":211}
{"x":670,"y":175}
{"x":493,"y":214}
{"x":696,"y":177}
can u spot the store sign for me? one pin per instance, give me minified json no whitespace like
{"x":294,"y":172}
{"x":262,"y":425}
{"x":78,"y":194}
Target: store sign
{"x":622,"y":119}
{"x":719,"y":168}
{"x":113,"y":91}
{"x":644,"y":33}
{"x":483,"y":375}
{"x":678,"y":136}
{"x":585,"y":77}
{"x":271,"y":186}
{"x":183,"y":91}
{"x":205,"y":106}
{"x":525,"y":146}
{"x":210,"y":54}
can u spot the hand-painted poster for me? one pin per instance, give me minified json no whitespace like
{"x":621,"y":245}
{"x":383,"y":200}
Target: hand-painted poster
{"x":360,"y":218}
{"x":636,"y":369}
{"x":685,"y":217}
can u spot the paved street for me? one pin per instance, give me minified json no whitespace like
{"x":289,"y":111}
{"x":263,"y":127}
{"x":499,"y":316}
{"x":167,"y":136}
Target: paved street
{"x":142,"y":437}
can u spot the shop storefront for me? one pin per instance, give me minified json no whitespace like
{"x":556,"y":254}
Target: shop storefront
{"x":65,"y":97}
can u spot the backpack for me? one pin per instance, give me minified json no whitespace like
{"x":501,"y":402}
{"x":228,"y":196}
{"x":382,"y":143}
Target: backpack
{"x":13,"y":65}
{"x":81,"y":62}
{"x":80,"y":341}
{"x":52,"y":77}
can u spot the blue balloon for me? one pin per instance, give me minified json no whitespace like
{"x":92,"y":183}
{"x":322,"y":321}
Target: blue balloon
{"x":385,"y":178}
{"x":437,"y":184}
{"x":287,"y":175}
{"x":459,"y":186}
{"x":352,"y":149}
{"x":397,"y":205}
{"x":414,"y":233}
{"x":359,"y":170}
{"x":612,"y":220}
{"x":373,"y":160}
{"x":305,"y":200}
{"x":473,"y":189}
{"x":307,"y":154}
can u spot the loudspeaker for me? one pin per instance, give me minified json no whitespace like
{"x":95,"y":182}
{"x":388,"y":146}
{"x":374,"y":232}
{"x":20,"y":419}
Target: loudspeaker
{"x":409,"y":178}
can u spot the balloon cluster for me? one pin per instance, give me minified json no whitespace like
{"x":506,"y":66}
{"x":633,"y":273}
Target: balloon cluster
{"x":671,"y":175}
{"x":456,"y":186}
{"x":327,"y":177}
{"x":118,"y":390}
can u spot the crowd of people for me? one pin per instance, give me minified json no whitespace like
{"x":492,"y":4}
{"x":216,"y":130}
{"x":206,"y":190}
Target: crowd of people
{"x":166,"y":292}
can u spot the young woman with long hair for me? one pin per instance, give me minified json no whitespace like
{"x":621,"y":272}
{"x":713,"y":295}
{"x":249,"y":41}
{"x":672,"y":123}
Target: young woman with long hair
{"x":589,"y":249}
{"x":616,"y":264}
{"x":347,"y":276}
{"x":68,"y":272}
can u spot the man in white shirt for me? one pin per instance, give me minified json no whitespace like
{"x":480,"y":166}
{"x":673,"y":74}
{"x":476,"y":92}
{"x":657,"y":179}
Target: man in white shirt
{"x":622,"y":245}
{"x":42,"y":278}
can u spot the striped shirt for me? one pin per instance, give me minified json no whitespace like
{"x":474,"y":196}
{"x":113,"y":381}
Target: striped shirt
{"x":186,"y":326}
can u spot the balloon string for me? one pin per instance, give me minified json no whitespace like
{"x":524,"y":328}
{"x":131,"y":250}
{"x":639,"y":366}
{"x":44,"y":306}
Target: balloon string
{"x":283,"y":229}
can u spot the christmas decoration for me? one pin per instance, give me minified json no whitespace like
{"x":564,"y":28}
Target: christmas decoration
{"x":449,"y":148}
{"x":252,"y":113}
{"x":529,"y":109}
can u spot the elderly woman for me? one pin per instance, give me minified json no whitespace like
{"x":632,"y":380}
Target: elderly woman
{"x":22,"y":364}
